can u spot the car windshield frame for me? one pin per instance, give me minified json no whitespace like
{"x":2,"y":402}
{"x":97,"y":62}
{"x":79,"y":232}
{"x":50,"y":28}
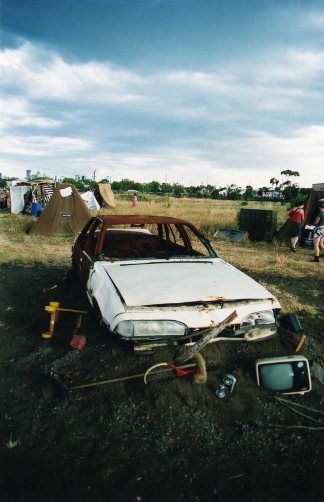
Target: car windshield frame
{"x":144,"y":238}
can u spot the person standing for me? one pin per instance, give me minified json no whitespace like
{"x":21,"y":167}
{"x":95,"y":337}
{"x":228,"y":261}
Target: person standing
{"x":319,"y":230}
{"x":135,"y":200}
{"x":296,"y":219}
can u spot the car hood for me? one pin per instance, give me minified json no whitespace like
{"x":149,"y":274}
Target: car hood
{"x":182,"y":281}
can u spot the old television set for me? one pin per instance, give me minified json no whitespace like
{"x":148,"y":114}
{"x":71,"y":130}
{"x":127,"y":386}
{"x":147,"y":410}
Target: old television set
{"x":287,"y":374}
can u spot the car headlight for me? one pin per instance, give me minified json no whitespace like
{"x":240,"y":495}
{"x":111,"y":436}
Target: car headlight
{"x":155,"y":329}
{"x":263,"y":317}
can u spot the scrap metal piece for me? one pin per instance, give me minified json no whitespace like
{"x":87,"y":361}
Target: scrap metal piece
{"x":258,"y":333}
{"x":221,"y":392}
{"x":230,"y":381}
{"x":230,"y":235}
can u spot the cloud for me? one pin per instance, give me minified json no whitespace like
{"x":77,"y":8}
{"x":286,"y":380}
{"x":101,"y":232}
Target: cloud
{"x":41,"y":74}
{"x":302,"y":150}
{"x":211,"y":82}
{"x":43,"y":146}
{"x":220,"y":122}
{"x":294,"y":67}
{"x":313,"y":20}
{"x":305,"y":144}
{"x":20,"y":113}
{"x":206,"y":96}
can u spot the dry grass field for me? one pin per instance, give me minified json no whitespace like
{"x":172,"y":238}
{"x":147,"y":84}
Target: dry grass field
{"x":294,"y":279}
{"x":171,"y":441}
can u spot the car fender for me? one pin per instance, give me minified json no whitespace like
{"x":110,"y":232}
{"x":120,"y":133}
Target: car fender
{"x":101,"y":289}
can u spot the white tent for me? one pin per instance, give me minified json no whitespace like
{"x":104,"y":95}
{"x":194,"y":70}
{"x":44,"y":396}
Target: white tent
{"x":17,"y":201}
{"x":91,"y":201}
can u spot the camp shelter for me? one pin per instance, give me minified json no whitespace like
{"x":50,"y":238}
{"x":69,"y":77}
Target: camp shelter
{"x":17,"y":198}
{"x":310,"y":210}
{"x":90,"y":201}
{"x":65,"y":214}
{"x":23,"y":193}
{"x":107,"y":194}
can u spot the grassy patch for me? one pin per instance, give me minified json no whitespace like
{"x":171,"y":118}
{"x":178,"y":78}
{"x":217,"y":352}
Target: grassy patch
{"x":206,"y":214}
{"x":20,"y":248}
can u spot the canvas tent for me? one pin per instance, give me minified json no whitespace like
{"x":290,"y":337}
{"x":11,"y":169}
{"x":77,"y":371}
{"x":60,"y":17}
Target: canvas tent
{"x":65,"y":214}
{"x":107,"y":194}
{"x":310,"y":210}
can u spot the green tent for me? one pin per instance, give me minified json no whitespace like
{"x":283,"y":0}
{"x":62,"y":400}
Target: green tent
{"x":65,"y":214}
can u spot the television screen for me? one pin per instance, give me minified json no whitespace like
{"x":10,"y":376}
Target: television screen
{"x":278,"y":376}
{"x":289,"y":375}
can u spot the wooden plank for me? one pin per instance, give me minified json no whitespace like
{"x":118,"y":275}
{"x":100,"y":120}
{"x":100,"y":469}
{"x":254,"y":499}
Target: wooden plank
{"x":206,"y":338}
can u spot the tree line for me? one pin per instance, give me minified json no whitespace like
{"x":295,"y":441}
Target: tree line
{"x":287,"y":190}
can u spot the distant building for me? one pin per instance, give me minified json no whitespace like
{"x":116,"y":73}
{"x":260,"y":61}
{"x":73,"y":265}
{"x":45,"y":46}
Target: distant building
{"x":318,"y":186}
{"x":274,"y":194}
{"x":28,"y":173}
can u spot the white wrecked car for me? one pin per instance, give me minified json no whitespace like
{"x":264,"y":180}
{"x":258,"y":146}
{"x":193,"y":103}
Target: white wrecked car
{"x":157,"y":280}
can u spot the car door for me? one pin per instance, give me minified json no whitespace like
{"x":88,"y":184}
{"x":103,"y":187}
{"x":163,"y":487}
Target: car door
{"x":85,"y":250}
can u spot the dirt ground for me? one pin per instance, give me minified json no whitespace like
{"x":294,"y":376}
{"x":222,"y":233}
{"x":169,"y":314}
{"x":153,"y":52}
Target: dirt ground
{"x":169,"y":440}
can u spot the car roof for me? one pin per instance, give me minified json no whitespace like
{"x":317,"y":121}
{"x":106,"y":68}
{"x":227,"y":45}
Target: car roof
{"x":135,"y":219}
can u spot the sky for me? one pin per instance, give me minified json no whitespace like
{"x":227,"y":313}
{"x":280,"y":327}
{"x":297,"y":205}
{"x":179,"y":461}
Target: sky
{"x":194,"y":92}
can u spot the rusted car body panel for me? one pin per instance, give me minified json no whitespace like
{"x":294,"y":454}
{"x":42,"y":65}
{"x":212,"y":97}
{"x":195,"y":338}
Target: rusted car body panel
{"x":161,"y":273}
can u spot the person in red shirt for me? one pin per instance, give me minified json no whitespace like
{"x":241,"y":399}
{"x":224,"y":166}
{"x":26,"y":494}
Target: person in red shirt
{"x":296,"y":219}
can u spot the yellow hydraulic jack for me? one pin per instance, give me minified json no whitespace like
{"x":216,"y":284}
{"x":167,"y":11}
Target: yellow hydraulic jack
{"x":54,"y":309}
